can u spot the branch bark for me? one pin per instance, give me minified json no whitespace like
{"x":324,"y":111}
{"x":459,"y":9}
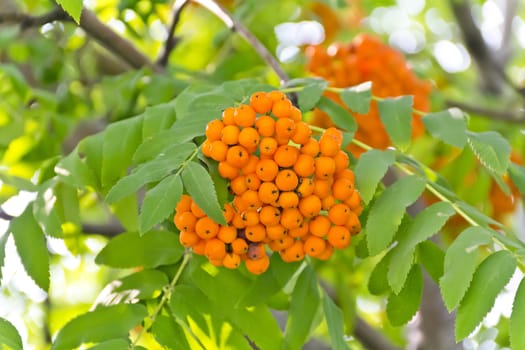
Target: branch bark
{"x":501,"y":115}
{"x":171,"y":40}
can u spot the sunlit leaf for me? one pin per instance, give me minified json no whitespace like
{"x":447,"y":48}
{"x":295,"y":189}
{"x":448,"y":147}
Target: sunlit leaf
{"x":9,"y":337}
{"x":517,"y":318}
{"x":396,"y":115}
{"x":449,"y":126}
{"x":432,"y":257}
{"x":340,"y":116}
{"x":492,"y":150}
{"x":370,"y":169}
{"x":378,"y":280}
{"x":517,"y":174}
{"x":358,"y":97}
{"x":72,"y":7}
{"x":169,"y":333}
{"x":111,"y":345}
{"x":334,"y":321}
{"x":147,"y":284}
{"x":401,"y":307}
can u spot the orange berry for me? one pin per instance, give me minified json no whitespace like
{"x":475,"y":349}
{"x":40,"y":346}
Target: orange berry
{"x":228,"y":212}
{"x":252,"y":181}
{"x":286,"y":180}
{"x":237,"y":156}
{"x":353,"y":224}
{"x":322,"y":188}
{"x":216,"y":262}
{"x":288,"y":199}
{"x":268,"y":192}
{"x":276,"y":232}
{"x":305,"y":188}
{"x":267,"y":169}
{"x":293,"y":253}
{"x":339,"y":214}
{"x":314,"y":246}
{"x":185,"y":221}
{"x":302,"y":133}
{"x":206,"y":148}
{"x":230,"y":135}
{"x":184,"y":204}
{"x":346,"y":174}
{"x":215,"y":249}
{"x":328,"y":146}
{"x":286,"y":156}
{"x":227,"y":234}
{"x":327,"y":202}
{"x":342,"y":189}
{"x":268,"y":146}
{"x":214,"y":130}
{"x":291,"y":218}
{"x":335,"y":134}
{"x":319,"y":226}
{"x":251,"y":198}
{"x":304,"y":166}
{"x":227,"y":170}
{"x":276,"y":96}
{"x":269,"y":215}
{"x":239,"y":246}
{"x":218,"y":150}
{"x":282,"y":109}
{"x":238,"y":185}
{"x":311,"y":147}
{"x":295,"y":114}
{"x":250,"y":165}
{"x":231,"y":261}
{"x":284,"y":128}
{"x":327,"y":252}
{"x":265,"y":125}
{"x":250,"y":217}
{"x":244,"y":116}
{"x":260,"y":102}
{"x":258,"y":266}
{"x":255,"y":233}
{"x":324,"y":167}
{"x":342,"y":161}
{"x":310,"y":206}
{"x":238,"y":221}
{"x":188,"y":238}
{"x":354,"y":201}
{"x":198,"y":248}
{"x":339,"y":237}
{"x":206,"y":228}
{"x":238,"y":204}
{"x":300,"y":231}
{"x":249,"y":138}
{"x":281,"y":243}
{"x":227,"y":116}
{"x":198,"y":212}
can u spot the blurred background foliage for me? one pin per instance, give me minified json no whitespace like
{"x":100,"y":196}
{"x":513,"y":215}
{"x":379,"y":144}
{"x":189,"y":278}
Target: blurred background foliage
{"x":58,"y":85}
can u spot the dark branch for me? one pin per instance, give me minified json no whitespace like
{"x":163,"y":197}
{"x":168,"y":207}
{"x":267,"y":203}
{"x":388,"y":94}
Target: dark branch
{"x":27,"y":21}
{"x":501,"y":115}
{"x":369,"y":337}
{"x":172,"y":40}
{"x":237,"y":26}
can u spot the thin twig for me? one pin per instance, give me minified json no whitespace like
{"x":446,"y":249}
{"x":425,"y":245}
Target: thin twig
{"x":237,"y":26}
{"x":27,"y":21}
{"x":171,"y":40}
{"x":502,"y":115}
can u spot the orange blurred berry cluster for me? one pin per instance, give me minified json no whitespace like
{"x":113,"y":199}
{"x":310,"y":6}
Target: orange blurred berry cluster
{"x":367,"y":59}
{"x":291,"y":192}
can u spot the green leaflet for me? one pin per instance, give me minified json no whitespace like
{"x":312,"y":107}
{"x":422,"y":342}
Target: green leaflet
{"x":396,"y":115}
{"x":370,"y":169}
{"x":449,"y":126}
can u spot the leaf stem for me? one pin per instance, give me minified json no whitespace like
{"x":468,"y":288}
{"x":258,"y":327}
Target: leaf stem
{"x":165,"y":298}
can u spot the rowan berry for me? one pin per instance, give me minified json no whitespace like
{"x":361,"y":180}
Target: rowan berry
{"x":310,"y":206}
{"x":276,"y":96}
{"x":304,"y":166}
{"x":218,"y":150}
{"x":206,"y":228}
{"x":314,"y":246}
{"x":324,"y":167}
{"x":198,"y":248}
{"x":214,"y":130}
{"x":302,"y":133}
{"x":286,"y":156}
{"x":322,"y":188}
{"x":276,"y":232}
{"x":295,"y":114}
{"x":238,"y":221}
{"x":239,"y":246}
{"x":255,"y":233}
{"x":341,"y":162}
{"x":327,"y":202}
{"x":249,"y":138}
{"x":339,"y":237}
{"x":184,"y":204}
{"x":281,"y":243}
{"x":215,"y":249}
{"x":354,"y":201}
{"x":299,"y":232}
{"x":260,"y":102}
{"x":198,"y":212}
{"x":227,"y":170}
{"x":284,"y":128}
{"x":311,"y":147}
{"x":268,"y":146}
{"x":342,"y":189}
{"x":267,"y":169}
{"x":238,"y":185}
{"x":206,"y":148}
{"x":185,"y":221}
{"x":239,"y":204}
{"x":250,"y":217}
{"x":335,"y":134}
{"x":265,"y":125}
{"x":188,"y":238}
{"x":251,"y":165}
{"x":258,"y":266}
{"x":227,"y":234}
{"x":251,"y":198}
{"x":230,"y":135}
{"x":288,"y":199}
{"x":227,"y":116}
{"x":346,"y":174}
{"x":244,"y":116}
{"x":291,"y":218}
{"x":305,"y":188}
{"x":286,"y":180}
{"x":327,"y":252}
{"x":328,"y":146}
{"x":353,"y":224}
{"x":268,"y":192}
{"x":231,"y":261}
{"x":256,"y":251}
{"x":252,"y":181}
{"x":269,"y":215}
{"x":293,"y":253}
{"x":319,"y":225}
{"x":282,"y":108}
{"x":339,"y":214}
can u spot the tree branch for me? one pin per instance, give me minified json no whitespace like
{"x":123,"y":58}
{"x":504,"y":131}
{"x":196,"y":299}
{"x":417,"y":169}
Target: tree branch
{"x":501,"y":115}
{"x":171,"y":40}
{"x":27,"y":21}
{"x":237,"y":26}
{"x":369,"y":337}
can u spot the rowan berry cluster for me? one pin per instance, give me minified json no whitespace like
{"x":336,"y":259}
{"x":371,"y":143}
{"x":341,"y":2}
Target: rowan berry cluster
{"x":367,"y":59}
{"x":291,"y":192}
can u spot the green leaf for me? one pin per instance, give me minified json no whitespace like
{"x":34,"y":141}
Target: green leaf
{"x":334,"y":322}
{"x":396,"y":115}
{"x":378,"y":280}
{"x":91,"y":150}
{"x":120,"y":142}
{"x":111,"y":345}
{"x":259,"y":325}
{"x":517,"y":175}
{"x":304,"y":305}
{"x":104,"y":323}
{"x":150,"y":250}
{"x":370,"y":169}
{"x":145,"y":284}
{"x":220,"y":184}
{"x":388,"y":210}
{"x":402,"y":307}
{"x":159,"y":202}
{"x":3,"y":241}
{"x":163,"y":165}
{"x":310,"y":95}
{"x":358,"y":97}
{"x":157,"y":118}
{"x":72,"y":7}
{"x":44,"y":211}
{"x":461,"y":260}
{"x":492,"y":150}
{"x":199,"y":185}
{"x":9,"y":336}
{"x":31,"y":246}
{"x":17,"y":182}
{"x":426,"y":223}
{"x":517,"y":318}
{"x":432,"y":257}
{"x":340,"y":116}
{"x":169,"y":333}
{"x":449,"y":126}
{"x":75,"y":171}
{"x":489,"y":279}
